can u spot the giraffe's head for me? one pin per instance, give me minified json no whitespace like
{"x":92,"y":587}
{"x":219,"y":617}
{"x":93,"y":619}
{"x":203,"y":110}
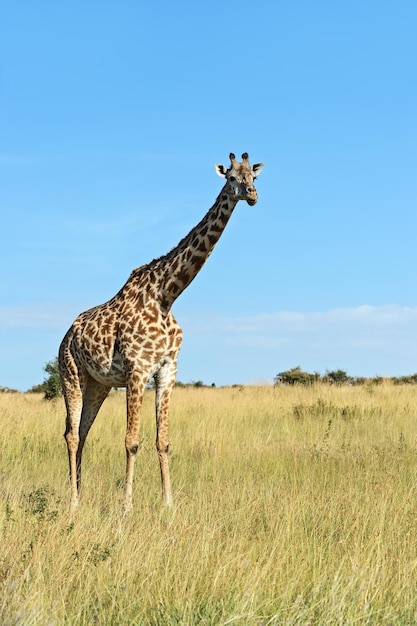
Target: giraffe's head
{"x":240,"y":177}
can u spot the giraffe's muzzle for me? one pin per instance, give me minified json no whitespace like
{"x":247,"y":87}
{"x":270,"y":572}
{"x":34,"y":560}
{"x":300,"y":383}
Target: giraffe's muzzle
{"x":251,"y":196}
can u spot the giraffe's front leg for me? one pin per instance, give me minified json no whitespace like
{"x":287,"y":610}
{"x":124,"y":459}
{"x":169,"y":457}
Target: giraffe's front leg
{"x":164,"y":380}
{"x":134,"y":396}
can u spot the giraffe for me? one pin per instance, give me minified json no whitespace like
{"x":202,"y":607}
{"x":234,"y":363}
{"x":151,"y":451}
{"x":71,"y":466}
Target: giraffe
{"x":134,"y":337}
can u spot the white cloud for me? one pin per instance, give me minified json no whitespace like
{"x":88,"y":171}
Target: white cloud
{"x":363,"y":320}
{"x":363,"y":340}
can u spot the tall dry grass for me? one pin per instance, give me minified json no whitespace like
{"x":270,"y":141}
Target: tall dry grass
{"x":292,"y":506}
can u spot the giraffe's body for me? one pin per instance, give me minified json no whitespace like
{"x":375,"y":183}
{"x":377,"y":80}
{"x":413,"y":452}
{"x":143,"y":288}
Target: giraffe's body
{"x":134,"y":336}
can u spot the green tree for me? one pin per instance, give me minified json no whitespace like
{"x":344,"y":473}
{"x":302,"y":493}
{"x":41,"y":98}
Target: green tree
{"x":52,"y":385}
{"x":295,"y":376}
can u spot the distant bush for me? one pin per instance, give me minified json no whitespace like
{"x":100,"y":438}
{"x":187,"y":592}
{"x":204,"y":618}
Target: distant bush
{"x":406,"y":380}
{"x":336,"y":377}
{"x":7,"y":390}
{"x":194,"y":383}
{"x":295,"y":376}
{"x":359,"y":380}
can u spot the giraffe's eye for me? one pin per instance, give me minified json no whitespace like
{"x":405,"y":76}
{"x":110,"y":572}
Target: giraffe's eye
{"x":232,"y":179}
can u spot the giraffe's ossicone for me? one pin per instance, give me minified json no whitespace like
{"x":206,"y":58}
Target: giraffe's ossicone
{"x":134,"y":337}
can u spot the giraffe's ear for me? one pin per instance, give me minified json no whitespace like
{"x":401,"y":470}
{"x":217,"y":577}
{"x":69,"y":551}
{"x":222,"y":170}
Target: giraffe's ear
{"x":220,"y":170}
{"x":257,"y":169}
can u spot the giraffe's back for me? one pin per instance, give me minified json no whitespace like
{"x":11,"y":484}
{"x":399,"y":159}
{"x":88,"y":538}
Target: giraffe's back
{"x":112,"y":341}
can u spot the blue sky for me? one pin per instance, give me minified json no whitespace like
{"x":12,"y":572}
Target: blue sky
{"x":112,"y":116}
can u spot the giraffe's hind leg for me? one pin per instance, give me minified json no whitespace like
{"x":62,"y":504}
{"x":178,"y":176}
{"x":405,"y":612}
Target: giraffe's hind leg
{"x":94,"y":394}
{"x":73,"y":401}
{"x":83,"y":405}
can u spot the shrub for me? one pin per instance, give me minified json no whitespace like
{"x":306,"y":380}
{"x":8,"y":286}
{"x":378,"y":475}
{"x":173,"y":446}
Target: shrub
{"x":337,"y":377}
{"x":295,"y":376}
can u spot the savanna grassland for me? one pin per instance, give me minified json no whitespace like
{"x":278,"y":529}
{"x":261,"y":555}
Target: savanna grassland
{"x":293,"y":505}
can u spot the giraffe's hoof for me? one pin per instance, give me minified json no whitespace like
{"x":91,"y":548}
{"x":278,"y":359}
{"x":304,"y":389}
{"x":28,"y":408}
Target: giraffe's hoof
{"x":167,"y":501}
{"x":127,"y":509}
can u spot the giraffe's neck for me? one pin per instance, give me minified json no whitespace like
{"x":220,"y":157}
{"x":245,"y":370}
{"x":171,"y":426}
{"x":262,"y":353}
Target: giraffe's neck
{"x":179,"y":267}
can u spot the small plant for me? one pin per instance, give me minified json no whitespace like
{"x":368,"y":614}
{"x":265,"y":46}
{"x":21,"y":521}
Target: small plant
{"x":98,"y":554}
{"x":8,"y":513}
{"x":319,"y":408}
{"x":321,"y":449}
{"x":38,"y":504}
{"x":95,"y":555}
